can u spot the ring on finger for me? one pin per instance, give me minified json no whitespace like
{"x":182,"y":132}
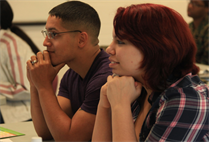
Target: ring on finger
{"x":33,"y":62}
{"x":114,"y":74}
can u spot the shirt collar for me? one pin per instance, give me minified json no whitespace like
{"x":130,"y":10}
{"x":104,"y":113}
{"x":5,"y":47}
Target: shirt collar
{"x":154,"y":95}
{"x":2,"y":31}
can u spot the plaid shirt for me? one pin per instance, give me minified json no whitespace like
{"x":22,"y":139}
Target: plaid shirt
{"x":180,"y":113}
{"x":201,"y":37}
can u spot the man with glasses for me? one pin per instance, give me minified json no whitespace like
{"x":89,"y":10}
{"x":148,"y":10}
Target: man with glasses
{"x":71,"y":37}
{"x":198,"y":10}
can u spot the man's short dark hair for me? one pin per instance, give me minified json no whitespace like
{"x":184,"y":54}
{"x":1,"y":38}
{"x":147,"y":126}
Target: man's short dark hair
{"x":78,"y":14}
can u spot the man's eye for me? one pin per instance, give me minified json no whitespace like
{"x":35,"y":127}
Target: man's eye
{"x":197,"y":4}
{"x":54,"y":34}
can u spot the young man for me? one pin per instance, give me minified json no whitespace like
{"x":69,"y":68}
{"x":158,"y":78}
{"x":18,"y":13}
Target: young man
{"x":71,"y":38}
{"x":198,"y":10}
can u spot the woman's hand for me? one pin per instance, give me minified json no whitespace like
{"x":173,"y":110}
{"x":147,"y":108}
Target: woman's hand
{"x":103,"y":97}
{"x":122,"y":90}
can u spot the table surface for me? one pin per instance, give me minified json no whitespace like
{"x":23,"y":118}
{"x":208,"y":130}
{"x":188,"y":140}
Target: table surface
{"x":26,"y":128}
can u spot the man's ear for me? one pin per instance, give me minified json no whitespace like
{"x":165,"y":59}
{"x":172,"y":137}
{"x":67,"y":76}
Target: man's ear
{"x":83,"y":38}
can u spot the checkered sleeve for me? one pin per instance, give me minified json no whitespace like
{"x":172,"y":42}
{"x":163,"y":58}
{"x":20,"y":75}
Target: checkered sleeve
{"x":183,"y":115}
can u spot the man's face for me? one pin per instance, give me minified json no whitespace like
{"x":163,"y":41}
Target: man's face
{"x":196,"y":9}
{"x":61,"y":48}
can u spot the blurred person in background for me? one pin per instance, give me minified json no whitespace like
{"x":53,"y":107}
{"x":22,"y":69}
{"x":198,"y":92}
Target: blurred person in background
{"x":15,"y":49}
{"x":198,"y":11}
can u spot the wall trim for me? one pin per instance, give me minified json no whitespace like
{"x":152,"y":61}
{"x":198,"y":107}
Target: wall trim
{"x":29,"y":23}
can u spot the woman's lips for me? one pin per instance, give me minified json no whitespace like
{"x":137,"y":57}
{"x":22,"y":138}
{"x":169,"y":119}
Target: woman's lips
{"x":112,"y":64}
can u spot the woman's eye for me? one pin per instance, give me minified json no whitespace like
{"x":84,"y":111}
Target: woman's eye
{"x":120,"y":42}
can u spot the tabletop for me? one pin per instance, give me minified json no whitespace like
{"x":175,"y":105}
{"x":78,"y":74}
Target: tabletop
{"x":26,"y":128}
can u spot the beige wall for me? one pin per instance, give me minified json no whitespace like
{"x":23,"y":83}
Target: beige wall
{"x":37,"y":10}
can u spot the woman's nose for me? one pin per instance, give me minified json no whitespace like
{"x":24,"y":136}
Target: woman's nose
{"x":110,"y":49}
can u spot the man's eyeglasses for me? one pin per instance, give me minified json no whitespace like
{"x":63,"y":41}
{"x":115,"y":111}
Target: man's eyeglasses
{"x":195,"y":4}
{"x":51,"y":35}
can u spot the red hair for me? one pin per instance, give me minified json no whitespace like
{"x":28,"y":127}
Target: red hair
{"x":163,"y":37}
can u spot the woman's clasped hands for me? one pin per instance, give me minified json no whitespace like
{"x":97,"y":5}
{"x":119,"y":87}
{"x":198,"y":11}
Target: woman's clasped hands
{"x":119,"y":91}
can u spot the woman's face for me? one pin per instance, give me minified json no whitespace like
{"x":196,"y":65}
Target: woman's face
{"x":125,"y":58}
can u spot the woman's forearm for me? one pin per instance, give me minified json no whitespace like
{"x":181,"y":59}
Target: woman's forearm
{"x":102,"y":128}
{"x":122,"y":124}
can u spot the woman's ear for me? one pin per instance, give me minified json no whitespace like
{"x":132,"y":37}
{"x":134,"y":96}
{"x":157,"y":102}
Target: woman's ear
{"x":83,"y":38}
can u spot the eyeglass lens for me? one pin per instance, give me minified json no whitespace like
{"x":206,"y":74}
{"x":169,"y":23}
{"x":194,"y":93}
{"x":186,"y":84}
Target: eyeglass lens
{"x":48,"y":34}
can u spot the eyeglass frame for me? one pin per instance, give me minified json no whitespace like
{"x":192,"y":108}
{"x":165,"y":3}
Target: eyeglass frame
{"x":196,"y":5}
{"x":51,"y":35}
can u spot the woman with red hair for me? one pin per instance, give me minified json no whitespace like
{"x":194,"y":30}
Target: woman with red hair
{"x":154,"y":93}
